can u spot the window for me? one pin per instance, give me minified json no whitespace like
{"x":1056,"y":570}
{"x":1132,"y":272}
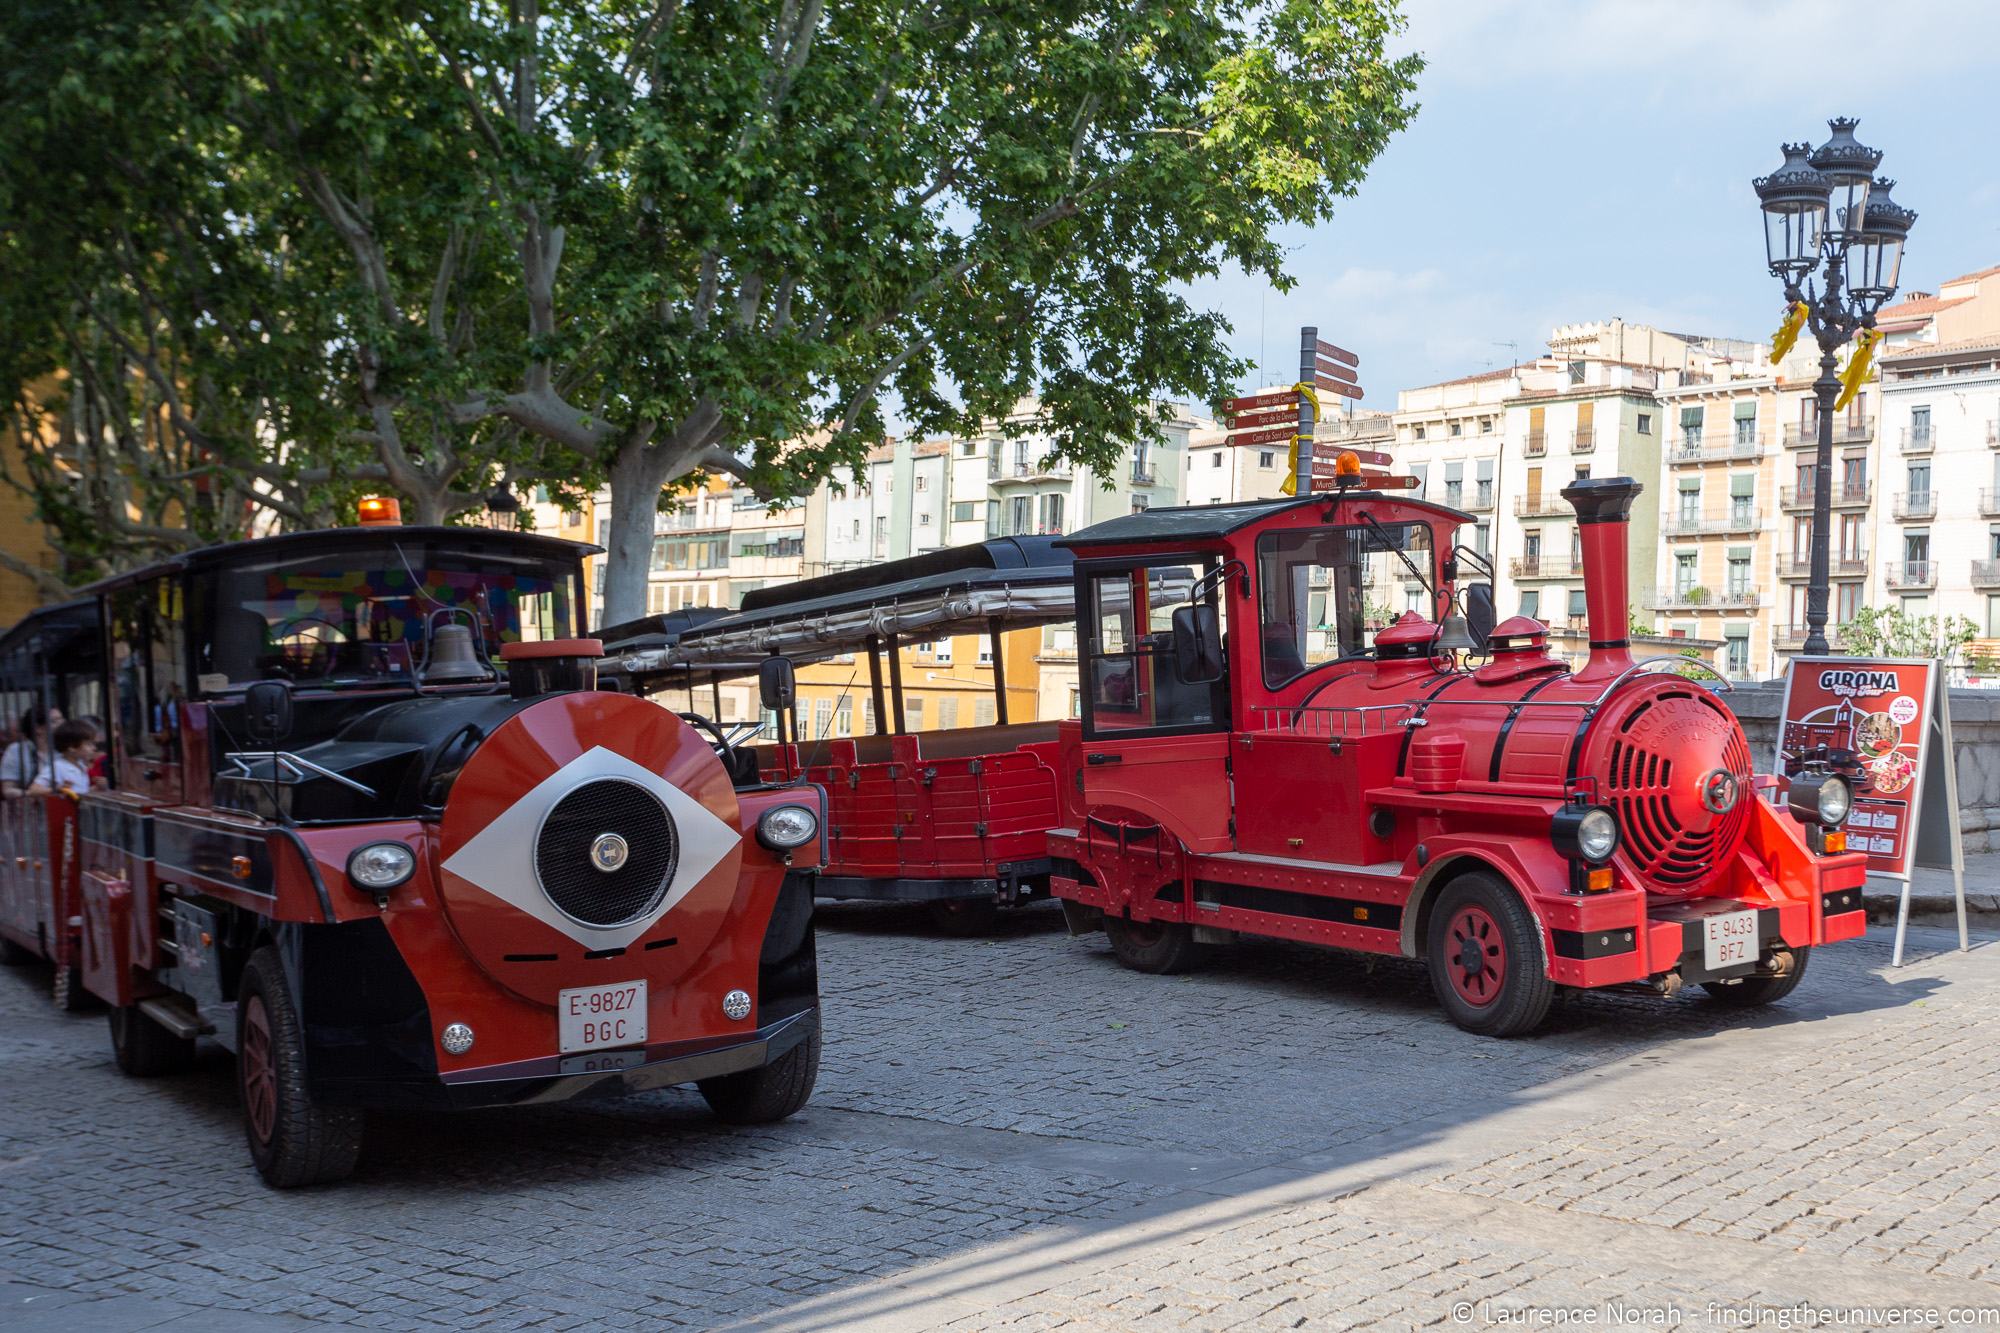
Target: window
{"x":1486,"y":425}
{"x":985,"y":656}
{"x":1320,"y":587}
{"x":822,"y":723}
{"x":1215,"y":459}
{"x":961,"y":511}
{"x":1738,"y":574}
{"x":150,"y":669}
{"x":843,"y":716}
{"x":1577,"y":607}
{"x":705,"y":550}
{"x":1267,"y":459}
{"x":1684,"y":574}
{"x":1130,"y":668}
{"x":1743,"y":499}
{"x":1576,"y":372}
{"x":983,"y":712}
{"x":1746,"y":423}
{"x":923,"y":482}
{"x":1052,"y":506}
{"x":1020,"y":515}
{"x":881,"y":525}
{"x":1484,"y":494}
{"x":1690,"y":501}
{"x":1847,"y":597}
{"x":1422,"y":472}
{"x":947,"y":713}
{"x":1993,"y":617}
{"x":1454,"y":484}
{"x":1140,"y":504}
{"x":868,"y":717}
{"x":1481,"y":534}
{"x":1645,"y":426}
{"x":941,"y":651}
{"x":913,"y":715}
{"x":1531,"y":603}
{"x":1920,"y":485}
{"x":769,"y":542}
{"x":1736,"y":660}
{"x":1457,"y":428}
{"x":1420,"y":432}
{"x":968,"y":448}
{"x":857,"y":529}
{"x":924,"y":519}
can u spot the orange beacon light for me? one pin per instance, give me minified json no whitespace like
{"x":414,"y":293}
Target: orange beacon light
{"x":380,"y":511}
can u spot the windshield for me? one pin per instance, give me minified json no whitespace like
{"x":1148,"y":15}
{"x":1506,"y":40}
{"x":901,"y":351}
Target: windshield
{"x":1325,"y":589}
{"x":366,"y":616}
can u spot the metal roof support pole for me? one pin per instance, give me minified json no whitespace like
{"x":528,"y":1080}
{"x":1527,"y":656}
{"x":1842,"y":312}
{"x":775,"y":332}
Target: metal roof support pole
{"x":875,"y":684}
{"x":896,"y":684}
{"x":999,"y":670}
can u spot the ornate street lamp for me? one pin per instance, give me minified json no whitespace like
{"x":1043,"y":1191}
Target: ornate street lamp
{"x":1835,"y":239}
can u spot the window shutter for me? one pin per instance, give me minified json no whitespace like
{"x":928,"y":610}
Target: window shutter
{"x":1586,"y":413}
{"x":1746,"y":411}
{"x":1454,"y":471}
{"x":1486,"y":469}
{"x":1744,"y":483}
{"x":1690,"y":417}
{"x":1690,"y":484}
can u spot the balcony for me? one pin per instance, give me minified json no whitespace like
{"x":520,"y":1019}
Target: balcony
{"x":1918,"y":440}
{"x":1693,"y":449}
{"x":1989,"y":504}
{"x":1700,"y":598}
{"x":1481,"y":501}
{"x":1986,"y":574}
{"x":1583,"y":440}
{"x":1144,"y":474}
{"x":1845,"y":497}
{"x":1538,"y":443}
{"x":1549,"y":504}
{"x":1805,"y":435}
{"x":1839,"y":564}
{"x":1529,"y":567}
{"x":1912,"y":573}
{"x":1029,"y":469}
{"x":1794,"y":636}
{"x":1914,"y":506}
{"x":1694,"y":525}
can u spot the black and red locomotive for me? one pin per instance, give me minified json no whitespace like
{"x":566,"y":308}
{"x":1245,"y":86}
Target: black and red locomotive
{"x":367,"y":822}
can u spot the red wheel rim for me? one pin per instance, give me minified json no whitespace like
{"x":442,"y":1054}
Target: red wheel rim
{"x":1475,"y":956}
{"x":258,"y":1070}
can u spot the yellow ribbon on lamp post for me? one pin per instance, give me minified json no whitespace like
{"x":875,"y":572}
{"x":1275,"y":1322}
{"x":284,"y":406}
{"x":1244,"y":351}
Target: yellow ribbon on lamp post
{"x":1788,"y":331}
{"x":1859,"y":363}
{"x":1291,"y":486}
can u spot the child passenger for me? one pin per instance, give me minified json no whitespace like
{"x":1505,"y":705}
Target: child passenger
{"x":68,"y":769}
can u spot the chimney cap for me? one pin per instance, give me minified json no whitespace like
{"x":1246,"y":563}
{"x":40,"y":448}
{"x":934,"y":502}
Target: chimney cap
{"x":1602,"y":499}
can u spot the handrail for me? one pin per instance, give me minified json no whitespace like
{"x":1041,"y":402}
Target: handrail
{"x":243,"y":759}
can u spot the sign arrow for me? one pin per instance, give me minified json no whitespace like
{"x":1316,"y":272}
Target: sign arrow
{"x":1272,"y":436}
{"x":1327,"y":349}
{"x":1258,"y":401}
{"x":1337,"y":388}
{"x":1333,"y":370}
{"x":1277,"y":416}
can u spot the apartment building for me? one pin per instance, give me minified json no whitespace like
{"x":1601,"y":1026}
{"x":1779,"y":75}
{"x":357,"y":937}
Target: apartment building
{"x":1221,"y":473}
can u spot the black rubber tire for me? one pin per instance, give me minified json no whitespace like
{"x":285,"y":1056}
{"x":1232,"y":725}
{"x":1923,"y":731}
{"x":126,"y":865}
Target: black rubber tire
{"x":1159,"y":947}
{"x":69,"y":993}
{"x":308,"y":1144}
{"x":1524,"y":992}
{"x":963,"y":918}
{"x":1751,"y":992}
{"x":143,"y":1048}
{"x":769,"y":1093}
{"x":13,"y":955}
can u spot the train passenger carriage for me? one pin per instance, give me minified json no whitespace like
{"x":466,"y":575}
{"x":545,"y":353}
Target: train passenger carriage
{"x":368,"y":823}
{"x":955,"y":819}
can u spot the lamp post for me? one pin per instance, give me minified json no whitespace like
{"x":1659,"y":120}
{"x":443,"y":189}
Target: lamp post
{"x":1835,"y":239}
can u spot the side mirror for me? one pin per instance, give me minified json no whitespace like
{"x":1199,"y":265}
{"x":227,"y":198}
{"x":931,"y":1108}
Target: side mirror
{"x":267,"y":710}
{"x":1479,"y":616}
{"x":776,"y":685}
{"x":1198,"y":644}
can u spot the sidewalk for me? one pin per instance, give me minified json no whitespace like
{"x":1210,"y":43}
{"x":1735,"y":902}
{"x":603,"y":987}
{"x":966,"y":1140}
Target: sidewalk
{"x":1931,"y":891}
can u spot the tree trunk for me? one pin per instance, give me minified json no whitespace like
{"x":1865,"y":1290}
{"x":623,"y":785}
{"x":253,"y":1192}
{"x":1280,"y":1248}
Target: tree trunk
{"x":637,"y":476}
{"x":430,"y":505}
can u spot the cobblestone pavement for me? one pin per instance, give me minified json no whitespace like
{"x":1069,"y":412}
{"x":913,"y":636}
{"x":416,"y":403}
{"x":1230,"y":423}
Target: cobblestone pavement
{"x":1015,"y":1132}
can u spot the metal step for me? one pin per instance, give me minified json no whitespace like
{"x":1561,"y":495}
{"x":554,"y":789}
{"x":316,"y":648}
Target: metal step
{"x":173,"y":1015}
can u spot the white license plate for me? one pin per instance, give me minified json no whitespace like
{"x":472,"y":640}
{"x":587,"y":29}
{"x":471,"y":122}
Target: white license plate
{"x":1728,"y":940}
{"x":596,"y":1018}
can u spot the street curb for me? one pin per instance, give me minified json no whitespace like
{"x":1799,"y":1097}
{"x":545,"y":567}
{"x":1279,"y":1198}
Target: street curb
{"x":1882,"y":905}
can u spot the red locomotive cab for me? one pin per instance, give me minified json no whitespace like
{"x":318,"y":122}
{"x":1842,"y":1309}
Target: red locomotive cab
{"x":1349,"y":776}
{"x":369,"y":823}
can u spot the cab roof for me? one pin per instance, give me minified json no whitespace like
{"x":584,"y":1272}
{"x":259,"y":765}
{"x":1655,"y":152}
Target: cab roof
{"x":336,"y":539}
{"x":1187,"y":524}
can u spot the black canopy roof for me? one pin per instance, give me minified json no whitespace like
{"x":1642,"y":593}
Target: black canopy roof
{"x":1196,"y":523}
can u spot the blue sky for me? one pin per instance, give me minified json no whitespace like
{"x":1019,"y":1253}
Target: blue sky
{"x":1580,"y":159}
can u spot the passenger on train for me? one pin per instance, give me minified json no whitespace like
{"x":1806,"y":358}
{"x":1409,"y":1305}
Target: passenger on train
{"x":27,"y":754}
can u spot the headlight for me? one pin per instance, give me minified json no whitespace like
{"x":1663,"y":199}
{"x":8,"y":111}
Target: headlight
{"x":381,"y":866}
{"x":784,"y":827}
{"x":1836,"y":798}
{"x":1585,"y":832}
{"x":1597,"y":835}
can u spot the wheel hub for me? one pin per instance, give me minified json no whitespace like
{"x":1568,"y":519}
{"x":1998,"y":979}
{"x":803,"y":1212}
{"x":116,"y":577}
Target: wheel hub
{"x":1480,"y":964}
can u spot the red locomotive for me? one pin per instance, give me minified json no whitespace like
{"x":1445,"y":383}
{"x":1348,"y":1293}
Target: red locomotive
{"x":367,"y":821}
{"x":1249,"y":762}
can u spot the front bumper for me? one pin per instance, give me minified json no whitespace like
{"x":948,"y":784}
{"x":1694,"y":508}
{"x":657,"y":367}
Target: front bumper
{"x":599,"y":1074}
{"x":1670,"y":941}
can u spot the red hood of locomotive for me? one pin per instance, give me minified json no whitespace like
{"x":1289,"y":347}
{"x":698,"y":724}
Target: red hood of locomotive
{"x":1655,"y":748}
{"x":517,"y":830}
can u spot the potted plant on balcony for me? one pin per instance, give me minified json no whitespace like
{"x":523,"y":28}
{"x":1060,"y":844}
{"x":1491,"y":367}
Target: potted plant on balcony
{"x":1696,"y":596}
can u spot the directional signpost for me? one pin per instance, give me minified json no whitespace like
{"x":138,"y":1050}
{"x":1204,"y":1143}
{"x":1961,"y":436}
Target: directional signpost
{"x":1326,"y":372}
